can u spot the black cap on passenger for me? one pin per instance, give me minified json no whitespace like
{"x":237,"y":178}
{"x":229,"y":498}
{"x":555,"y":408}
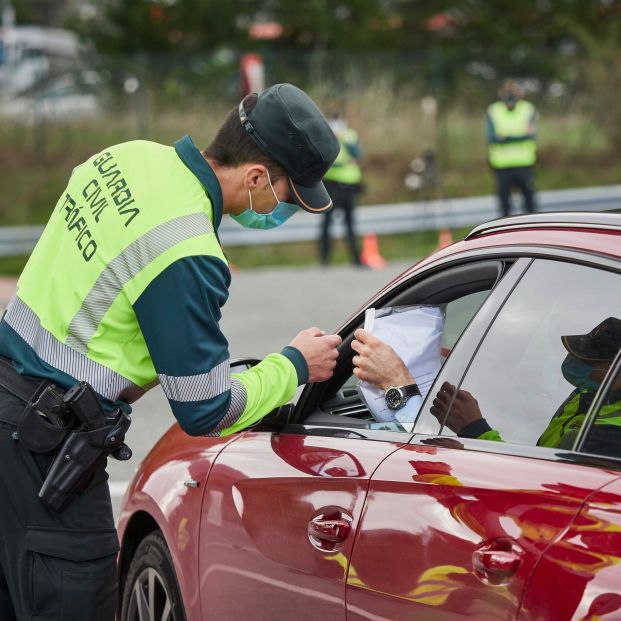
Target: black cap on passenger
{"x":601,"y":344}
{"x":289,"y":128}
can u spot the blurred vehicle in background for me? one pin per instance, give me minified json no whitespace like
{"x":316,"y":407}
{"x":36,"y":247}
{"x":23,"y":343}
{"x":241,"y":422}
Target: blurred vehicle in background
{"x":30,"y":55}
{"x":41,"y":75}
{"x":71,"y":97}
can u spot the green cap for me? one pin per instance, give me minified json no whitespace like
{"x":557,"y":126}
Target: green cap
{"x":290,"y":129}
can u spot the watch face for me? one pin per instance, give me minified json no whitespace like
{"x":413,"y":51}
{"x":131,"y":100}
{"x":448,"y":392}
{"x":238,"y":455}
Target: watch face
{"x":393,"y":398}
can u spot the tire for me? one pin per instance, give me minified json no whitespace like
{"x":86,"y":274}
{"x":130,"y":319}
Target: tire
{"x":151,"y":590}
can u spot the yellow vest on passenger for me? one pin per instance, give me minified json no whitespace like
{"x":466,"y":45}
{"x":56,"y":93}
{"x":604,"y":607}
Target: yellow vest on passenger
{"x":126,"y":215}
{"x":512,"y":123}
{"x":345,"y":168}
{"x":565,"y":425}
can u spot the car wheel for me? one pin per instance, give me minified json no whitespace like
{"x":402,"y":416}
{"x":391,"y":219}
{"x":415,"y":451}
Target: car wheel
{"x":151,"y":590}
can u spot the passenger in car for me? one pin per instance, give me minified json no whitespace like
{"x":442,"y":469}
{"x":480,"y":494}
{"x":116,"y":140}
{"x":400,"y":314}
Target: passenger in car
{"x":588,"y":359}
{"x":589,"y":356}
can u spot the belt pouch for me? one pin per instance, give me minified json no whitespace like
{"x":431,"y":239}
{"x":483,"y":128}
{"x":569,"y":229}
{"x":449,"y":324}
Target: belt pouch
{"x":37,"y":434}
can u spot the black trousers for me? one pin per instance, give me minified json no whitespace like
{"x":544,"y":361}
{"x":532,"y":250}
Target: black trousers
{"x":344,"y":198}
{"x":53,"y":567}
{"x":523,"y":178}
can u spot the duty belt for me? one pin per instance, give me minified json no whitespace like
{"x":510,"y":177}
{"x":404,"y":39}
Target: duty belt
{"x":72,"y":421}
{"x":46,"y":398}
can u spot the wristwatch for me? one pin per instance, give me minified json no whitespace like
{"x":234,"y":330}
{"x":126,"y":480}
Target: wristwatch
{"x":397,"y":396}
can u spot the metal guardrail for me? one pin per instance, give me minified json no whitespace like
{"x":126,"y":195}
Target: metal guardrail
{"x":377,"y":219}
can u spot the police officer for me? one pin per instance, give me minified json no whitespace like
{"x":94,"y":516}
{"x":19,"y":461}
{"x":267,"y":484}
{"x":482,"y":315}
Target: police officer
{"x":343,"y":182}
{"x":512,"y":151}
{"x":124,"y":291}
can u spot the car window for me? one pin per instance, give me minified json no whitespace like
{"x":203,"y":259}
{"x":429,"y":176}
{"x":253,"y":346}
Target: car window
{"x":458,"y":314}
{"x":459,"y":293}
{"x":604,"y":436}
{"x":533,"y":378}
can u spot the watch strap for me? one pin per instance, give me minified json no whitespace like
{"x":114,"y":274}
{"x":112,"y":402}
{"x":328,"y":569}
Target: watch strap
{"x":410,"y":390}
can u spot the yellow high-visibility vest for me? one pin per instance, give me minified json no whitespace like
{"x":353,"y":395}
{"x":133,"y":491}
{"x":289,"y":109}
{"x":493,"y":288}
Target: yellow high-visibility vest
{"x":512,"y":124}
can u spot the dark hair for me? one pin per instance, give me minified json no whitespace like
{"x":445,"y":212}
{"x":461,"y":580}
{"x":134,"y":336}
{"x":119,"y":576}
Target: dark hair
{"x":233,"y":146}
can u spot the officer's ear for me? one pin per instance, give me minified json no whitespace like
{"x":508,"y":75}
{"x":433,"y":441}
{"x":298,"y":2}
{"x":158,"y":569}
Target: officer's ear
{"x":254,"y":175}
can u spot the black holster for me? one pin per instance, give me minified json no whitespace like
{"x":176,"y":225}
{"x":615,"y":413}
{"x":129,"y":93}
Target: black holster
{"x":82,"y":453}
{"x":37,"y":433}
{"x":45,"y":421}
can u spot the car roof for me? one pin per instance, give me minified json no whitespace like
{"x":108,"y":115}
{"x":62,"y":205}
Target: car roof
{"x":605,"y":220}
{"x":592,"y":232}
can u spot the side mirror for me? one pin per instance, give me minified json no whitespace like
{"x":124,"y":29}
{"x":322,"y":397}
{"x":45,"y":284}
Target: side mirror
{"x":276,"y":419}
{"x":243,"y":364}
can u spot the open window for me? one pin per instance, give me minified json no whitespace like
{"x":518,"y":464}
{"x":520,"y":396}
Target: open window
{"x":461,"y":291}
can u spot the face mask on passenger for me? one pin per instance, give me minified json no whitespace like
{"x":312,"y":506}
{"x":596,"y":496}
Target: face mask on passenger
{"x":577,"y":372}
{"x":280,"y":214}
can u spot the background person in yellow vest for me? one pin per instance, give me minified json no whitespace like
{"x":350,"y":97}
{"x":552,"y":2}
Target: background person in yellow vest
{"x":123,"y":291}
{"x":512,"y":151}
{"x":343,"y":182}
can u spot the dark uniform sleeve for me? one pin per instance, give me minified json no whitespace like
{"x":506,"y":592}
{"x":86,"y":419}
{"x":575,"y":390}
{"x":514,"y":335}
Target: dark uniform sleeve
{"x":179,"y":314}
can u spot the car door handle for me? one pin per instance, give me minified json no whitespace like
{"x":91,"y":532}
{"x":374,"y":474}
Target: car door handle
{"x":332,"y":530}
{"x":329,"y":528}
{"x":497,"y":560}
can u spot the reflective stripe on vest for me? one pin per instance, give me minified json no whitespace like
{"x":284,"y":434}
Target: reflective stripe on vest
{"x":513,"y":123}
{"x":126,"y":266}
{"x":345,"y":169}
{"x":125,"y":216}
{"x":197,"y":387}
{"x":26,"y":323}
{"x":236,"y":407}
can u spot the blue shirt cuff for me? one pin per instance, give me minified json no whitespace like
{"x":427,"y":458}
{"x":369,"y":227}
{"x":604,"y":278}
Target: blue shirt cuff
{"x":298,"y":361}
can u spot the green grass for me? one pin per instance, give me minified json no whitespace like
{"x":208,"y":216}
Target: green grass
{"x":12,"y":266}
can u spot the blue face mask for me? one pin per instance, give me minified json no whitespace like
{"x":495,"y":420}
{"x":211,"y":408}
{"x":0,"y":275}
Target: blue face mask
{"x":577,"y":372}
{"x":253,"y":220}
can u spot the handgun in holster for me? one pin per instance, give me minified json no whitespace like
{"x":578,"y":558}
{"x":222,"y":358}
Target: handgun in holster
{"x":86,"y":447}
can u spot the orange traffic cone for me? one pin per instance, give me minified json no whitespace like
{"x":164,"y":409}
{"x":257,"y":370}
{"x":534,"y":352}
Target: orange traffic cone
{"x":445,"y":238}
{"x":370,"y":253}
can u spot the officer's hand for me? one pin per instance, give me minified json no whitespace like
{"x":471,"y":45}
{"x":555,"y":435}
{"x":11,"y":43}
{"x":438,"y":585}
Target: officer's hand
{"x":378,"y":363}
{"x":319,"y":351}
{"x":465,"y":408}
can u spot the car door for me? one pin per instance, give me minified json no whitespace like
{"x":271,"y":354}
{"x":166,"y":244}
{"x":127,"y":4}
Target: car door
{"x":279,"y":517}
{"x":578,"y":577}
{"x":281,"y":509}
{"x":453,"y":525}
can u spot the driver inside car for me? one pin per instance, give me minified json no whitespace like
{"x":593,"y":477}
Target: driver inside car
{"x":589,"y":356}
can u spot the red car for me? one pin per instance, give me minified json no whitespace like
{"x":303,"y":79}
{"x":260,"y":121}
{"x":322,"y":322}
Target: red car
{"x":319,"y":512}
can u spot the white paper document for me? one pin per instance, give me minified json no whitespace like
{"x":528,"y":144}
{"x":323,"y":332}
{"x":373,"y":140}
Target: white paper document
{"x":415,"y":333}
